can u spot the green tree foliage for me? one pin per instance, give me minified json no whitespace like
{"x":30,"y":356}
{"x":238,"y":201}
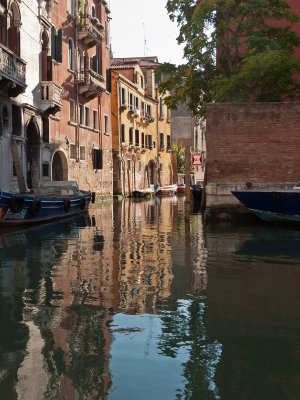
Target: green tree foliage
{"x":235,"y":50}
{"x":179,"y":150}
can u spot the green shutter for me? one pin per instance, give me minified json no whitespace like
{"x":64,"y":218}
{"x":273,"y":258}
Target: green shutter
{"x":58,"y":47}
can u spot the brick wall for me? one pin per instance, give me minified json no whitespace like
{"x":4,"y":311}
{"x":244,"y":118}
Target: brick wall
{"x":257,"y":142}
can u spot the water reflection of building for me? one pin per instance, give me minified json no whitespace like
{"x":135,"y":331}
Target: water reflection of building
{"x":254,"y":312}
{"x":52,"y":296}
{"x":143,"y":253}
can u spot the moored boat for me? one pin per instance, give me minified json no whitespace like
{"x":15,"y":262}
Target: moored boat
{"x":168,"y":190}
{"x":272,"y":204}
{"x":50,"y":201}
{"x":143,"y":193}
{"x":196,"y":192}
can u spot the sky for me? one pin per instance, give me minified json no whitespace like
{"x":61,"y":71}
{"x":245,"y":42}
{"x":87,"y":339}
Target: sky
{"x":142,"y":28}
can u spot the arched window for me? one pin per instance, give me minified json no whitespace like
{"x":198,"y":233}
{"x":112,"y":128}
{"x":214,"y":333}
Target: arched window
{"x":13,"y":32}
{"x":71,"y":54}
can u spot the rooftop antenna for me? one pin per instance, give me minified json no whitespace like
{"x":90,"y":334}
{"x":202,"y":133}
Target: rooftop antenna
{"x":145,"y":41}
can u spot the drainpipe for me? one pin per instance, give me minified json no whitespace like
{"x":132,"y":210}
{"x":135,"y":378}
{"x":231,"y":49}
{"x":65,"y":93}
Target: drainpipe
{"x":77,"y":84}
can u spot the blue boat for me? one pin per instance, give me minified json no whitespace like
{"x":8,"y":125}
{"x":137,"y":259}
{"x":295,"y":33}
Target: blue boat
{"x":51,"y":201}
{"x":272,"y":204}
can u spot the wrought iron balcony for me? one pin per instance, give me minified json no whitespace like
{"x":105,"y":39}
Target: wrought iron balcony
{"x":90,"y":30}
{"x":91,"y":84}
{"x":51,"y":101}
{"x":12,"y":73}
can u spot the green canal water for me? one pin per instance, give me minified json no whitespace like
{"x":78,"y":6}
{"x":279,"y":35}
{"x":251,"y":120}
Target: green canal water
{"x":136,"y":302}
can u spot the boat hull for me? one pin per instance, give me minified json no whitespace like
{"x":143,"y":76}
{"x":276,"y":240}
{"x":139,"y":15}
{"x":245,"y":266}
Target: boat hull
{"x":272,"y":205}
{"x":28,"y":209}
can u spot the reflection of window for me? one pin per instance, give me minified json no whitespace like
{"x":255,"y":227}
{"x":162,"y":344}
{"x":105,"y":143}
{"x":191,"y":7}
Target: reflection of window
{"x":71,"y":54}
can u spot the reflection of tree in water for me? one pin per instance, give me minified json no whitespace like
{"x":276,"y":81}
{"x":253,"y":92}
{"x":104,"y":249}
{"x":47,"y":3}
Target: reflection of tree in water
{"x":87,"y":351}
{"x":185,"y":328}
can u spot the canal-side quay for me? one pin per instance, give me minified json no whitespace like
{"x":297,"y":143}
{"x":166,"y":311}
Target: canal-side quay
{"x":134,"y":297}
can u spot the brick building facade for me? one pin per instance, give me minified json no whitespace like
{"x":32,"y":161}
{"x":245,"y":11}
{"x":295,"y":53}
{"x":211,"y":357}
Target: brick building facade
{"x":250,"y":142}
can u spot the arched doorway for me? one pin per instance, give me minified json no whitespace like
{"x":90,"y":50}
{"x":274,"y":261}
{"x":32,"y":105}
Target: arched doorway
{"x":32,"y":149}
{"x":59,"y":167}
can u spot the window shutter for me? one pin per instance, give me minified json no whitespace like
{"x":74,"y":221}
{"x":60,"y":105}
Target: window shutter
{"x":94,"y":64}
{"x":108,"y":80}
{"x":58,"y":48}
{"x":53,"y":40}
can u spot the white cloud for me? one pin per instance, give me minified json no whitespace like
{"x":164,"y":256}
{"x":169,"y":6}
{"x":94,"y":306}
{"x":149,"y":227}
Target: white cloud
{"x":143,"y":27}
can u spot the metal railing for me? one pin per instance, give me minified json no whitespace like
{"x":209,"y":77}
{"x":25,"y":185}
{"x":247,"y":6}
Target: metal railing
{"x":12,"y":66}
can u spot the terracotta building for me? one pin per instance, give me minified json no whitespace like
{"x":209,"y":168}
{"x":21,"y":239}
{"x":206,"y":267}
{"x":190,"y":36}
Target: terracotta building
{"x":54,"y":97}
{"x":140,"y":127}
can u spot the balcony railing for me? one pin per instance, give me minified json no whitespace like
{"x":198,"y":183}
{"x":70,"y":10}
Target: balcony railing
{"x":51,"y":96}
{"x":12,"y":73}
{"x":91,"y":84}
{"x":90,"y":30}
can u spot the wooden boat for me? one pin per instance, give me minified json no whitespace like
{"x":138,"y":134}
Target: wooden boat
{"x":50,"y":201}
{"x":272,"y":204}
{"x":168,"y":190}
{"x":180,"y":189}
{"x":196,"y":192}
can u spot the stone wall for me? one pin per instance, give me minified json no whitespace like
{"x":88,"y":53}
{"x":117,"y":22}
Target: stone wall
{"x":258,"y":143}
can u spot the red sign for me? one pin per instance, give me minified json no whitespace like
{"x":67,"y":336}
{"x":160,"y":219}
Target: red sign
{"x":197,"y":159}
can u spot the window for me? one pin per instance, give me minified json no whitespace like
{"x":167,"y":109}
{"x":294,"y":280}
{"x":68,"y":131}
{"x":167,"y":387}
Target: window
{"x":94,"y":11}
{"x":106,"y":124}
{"x":97,"y":159}
{"x":73,"y":151}
{"x":168,"y":142}
{"x":149,"y":142}
{"x":137,"y":137}
{"x":161,"y":112}
{"x":81,"y":114}
{"x":136,"y":102}
{"x":122,"y":133}
{"x":130,"y":101}
{"x":72,"y":114}
{"x":95,"y":120}
{"x":123,"y":97}
{"x":128,"y":165}
{"x":71,"y":54}
{"x":143,"y":139}
{"x":94,"y":63}
{"x":87,"y":116}
{"x":130,"y":136}
{"x":142,"y":82}
{"x":82,"y":153}
{"x":45,"y":169}
{"x":161,"y":141}
{"x":14,"y":170}
{"x":56,"y":44}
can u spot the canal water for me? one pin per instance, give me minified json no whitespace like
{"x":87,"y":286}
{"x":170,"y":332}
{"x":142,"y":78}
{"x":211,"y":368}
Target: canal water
{"x":136,"y":302}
